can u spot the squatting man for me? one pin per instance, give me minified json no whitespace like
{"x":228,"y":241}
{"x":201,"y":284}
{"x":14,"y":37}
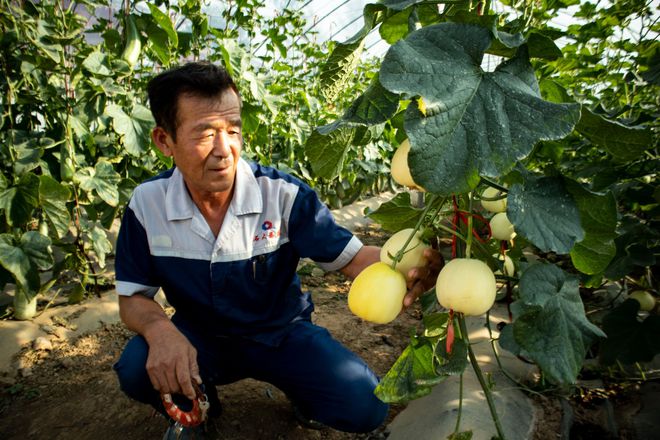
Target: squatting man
{"x":222,"y":237}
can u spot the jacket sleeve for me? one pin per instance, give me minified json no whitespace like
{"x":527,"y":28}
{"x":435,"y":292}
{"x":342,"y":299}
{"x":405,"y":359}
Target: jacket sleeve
{"x":133,"y":262}
{"x":315,"y":234}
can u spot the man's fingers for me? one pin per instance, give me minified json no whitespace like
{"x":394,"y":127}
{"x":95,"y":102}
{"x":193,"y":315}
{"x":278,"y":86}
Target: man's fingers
{"x":434,"y":258}
{"x":172,"y":364}
{"x":194,"y":368}
{"x":408,"y":300}
{"x":421,"y":279}
{"x":173,"y":383}
{"x":155,"y":382}
{"x":158,"y":375}
{"x":413,"y":294}
{"x":415,"y":275}
{"x":414,"y":291}
{"x":184,"y":379}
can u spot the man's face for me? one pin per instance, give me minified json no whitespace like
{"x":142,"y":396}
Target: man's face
{"x":208,"y":142}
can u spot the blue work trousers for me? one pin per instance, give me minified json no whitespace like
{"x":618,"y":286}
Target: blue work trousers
{"x":325,"y":380}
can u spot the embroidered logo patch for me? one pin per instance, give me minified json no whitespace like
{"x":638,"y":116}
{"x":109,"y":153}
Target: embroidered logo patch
{"x":268,"y":231}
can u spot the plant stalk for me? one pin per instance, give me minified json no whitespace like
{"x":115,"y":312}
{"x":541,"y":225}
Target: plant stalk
{"x":499,"y":361}
{"x":468,"y":244}
{"x":460,"y":404}
{"x":480,"y":377}
{"x":494,"y":185}
{"x":402,"y":251}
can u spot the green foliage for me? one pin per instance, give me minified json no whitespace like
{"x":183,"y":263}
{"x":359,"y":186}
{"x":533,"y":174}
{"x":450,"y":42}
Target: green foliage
{"x":424,"y":363}
{"x":550,"y":327}
{"x":629,"y":340}
{"x":24,"y":257}
{"x":598,"y":217}
{"x":396,"y":214}
{"x":400,"y":383}
{"x":567,"y":121}
{"x":543,"y":211}
{"x":624,"y":143}
{"x":466,"y":117}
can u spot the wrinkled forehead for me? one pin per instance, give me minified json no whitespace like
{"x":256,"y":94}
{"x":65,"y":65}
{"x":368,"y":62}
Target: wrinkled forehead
{"x":227,"y":103}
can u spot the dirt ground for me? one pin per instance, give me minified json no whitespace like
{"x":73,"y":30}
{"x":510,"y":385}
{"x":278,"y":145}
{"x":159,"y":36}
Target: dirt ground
{"x":71,"y":391}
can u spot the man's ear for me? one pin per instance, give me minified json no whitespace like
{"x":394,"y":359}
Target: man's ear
{"x":163,"y":140}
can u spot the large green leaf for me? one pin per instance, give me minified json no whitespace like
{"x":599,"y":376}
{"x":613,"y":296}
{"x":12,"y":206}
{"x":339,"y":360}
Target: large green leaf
{"x":134,"y":129}
{"x":375,"y":106}
{"x":37,"y":249}
{"x":367,"y":134}
{"x":232,"y":55}
{"x":543,"y":211}
{"x":397,"y":25}
{"x":326,"y":153}
{"x":17,"y":262}
{"x":396,"y":214}
{"x":453,"y":363}
{"x":598,"y":216}
{"x":165,"y":23}
{"x":108,"y":86}
{"x":80,"y":128}
{"x":550,"y":324}
{"x":159,"y":43}
{"x":346,"y":56}
{"x":633,"y":250}
{"x":652,"y":73}
{"x":623,"y":142}
{"x":542,"y":46}
{"x":99,"y":239}
{"x":339,"y":68}
{"x":259,"y":92}
{"x":628,"y":339}
{"x":96,"y":63}
{"x":19,"y":201}
{"x":52,"y":199}
{"x":469,"y":122}
{"x":27,"y":153}
{"x":102,"y":179}
{"x":416,"y":363}
{"x":43,"y":37}
{"x":538,"y":44}
{"x":504,"y":43}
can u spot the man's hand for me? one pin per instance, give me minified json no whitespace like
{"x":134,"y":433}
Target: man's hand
{"x":172,"y":363}
{"x":172,"y":360}
{"x":421,"y":279}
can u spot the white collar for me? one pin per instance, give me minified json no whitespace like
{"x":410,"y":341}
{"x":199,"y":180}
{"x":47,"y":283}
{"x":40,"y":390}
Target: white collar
{"x":246,"y":199}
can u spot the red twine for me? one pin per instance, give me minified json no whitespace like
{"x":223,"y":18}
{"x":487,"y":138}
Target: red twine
{"x":450,"y":332}
{"x":461,"y":216}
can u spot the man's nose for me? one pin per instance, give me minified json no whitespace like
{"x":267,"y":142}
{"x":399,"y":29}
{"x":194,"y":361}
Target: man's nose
{"x":221,"y":145}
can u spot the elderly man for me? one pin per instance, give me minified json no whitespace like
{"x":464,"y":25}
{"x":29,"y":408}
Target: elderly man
{"x":222,"y":237}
